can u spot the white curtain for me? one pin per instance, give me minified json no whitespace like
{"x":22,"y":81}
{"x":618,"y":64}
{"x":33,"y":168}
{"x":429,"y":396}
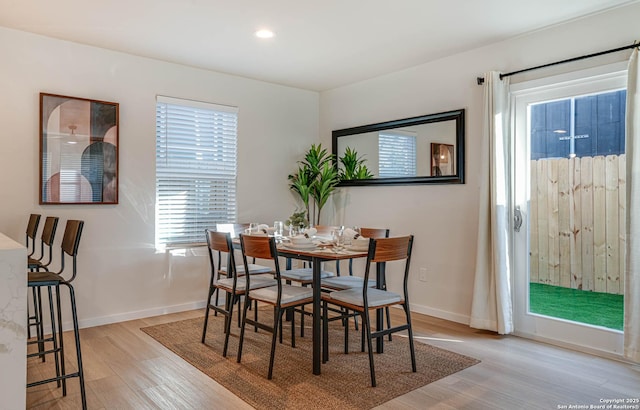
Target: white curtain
{"x":491,"y":308}
{"x":632,"y":274}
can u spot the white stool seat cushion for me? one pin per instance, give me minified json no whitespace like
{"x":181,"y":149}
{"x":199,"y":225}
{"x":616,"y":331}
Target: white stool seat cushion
{"x":253,"y":269}
{"x":375,"y":297}
{"x":289,"y":294}
{"x":303,"y":275}
{"x":346,"y":282}
{"x":261,"y":281}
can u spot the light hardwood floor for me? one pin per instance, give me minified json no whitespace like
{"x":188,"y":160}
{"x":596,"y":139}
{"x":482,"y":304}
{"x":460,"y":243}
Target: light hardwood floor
{"x":126,"y":369}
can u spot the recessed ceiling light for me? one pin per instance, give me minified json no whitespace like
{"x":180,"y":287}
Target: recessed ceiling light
{"x":264,"y":33}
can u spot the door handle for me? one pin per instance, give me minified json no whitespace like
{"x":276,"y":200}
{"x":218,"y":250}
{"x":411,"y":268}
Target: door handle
{"x":517,"y":219}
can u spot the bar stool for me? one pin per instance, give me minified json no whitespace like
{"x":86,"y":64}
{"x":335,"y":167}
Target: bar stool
{"x":50,"y":280}
{"x":40,"y":263}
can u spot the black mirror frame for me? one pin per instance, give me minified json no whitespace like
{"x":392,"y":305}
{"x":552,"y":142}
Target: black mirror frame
{"x":458,"y":178}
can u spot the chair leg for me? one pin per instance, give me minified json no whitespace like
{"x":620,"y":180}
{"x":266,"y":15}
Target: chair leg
{"x":37,"y":294}
{"x":362,"y":338}
{"x":276,"y":324}
{"x":215,"y":312}
{"x":61,"y":344}
{"x":279,"y":328}
{"x":293,"y":327}
{"x":325,"y":332}
{"x":247,"y":302}
{"x":255,"y":314}
{"x":231,"y":299}
{"x":40,"y":325}
{"x":346,"y":334}
{"x":388,"y":321}
{"x":206,"y":314}
{"x":54,"y":340}
{"x":76,"y":332}
{"x":410,"y":331}
{"x":367,"y":323}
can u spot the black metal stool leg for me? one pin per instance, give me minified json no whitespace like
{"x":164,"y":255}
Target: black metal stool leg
{"x":76,"y":331}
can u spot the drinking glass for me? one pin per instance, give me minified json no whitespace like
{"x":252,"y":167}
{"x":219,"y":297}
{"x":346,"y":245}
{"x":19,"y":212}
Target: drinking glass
{"x":253,"y":228}
{"x":337,"y":236}
{"x":278,"y":228}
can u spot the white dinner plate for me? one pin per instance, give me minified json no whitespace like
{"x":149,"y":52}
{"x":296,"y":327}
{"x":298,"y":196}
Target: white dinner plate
{"x":358,"y":248}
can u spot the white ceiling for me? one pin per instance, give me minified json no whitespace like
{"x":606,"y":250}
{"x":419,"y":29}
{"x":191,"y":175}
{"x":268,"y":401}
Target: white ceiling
{"x":319,"y":44}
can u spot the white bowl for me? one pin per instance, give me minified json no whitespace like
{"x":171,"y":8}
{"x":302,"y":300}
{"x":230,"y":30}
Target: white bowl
{"x":300,"y":240}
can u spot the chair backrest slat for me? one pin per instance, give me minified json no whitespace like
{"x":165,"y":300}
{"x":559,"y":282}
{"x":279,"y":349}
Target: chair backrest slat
{"x":32,"y":226}
{"x":218,"y":241}
{"x":392,"y":249}
{"x":71,"y":238}
{"x":257,"y":246}
{"x":49,"y":230}
{"x":374,"y":232}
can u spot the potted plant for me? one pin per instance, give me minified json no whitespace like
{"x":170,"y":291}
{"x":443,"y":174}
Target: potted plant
{"x":353,"y":166}
{"x":315,"y":179}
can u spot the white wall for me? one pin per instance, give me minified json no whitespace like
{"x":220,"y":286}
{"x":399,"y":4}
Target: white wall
{"x":444,"y":218}
{"x":120,"y":274}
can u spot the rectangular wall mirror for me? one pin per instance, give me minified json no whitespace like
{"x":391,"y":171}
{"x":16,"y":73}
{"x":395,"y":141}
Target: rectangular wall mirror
{"x":428,"y":149}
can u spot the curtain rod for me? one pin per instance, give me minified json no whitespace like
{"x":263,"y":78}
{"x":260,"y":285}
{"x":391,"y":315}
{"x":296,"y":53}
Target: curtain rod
{"x":569,"y":60}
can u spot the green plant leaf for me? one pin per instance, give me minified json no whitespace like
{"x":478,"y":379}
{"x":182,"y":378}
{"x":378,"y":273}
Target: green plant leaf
{"x":353,"y":166}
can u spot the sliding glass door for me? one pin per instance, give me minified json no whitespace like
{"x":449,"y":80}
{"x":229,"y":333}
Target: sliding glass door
{"x":570,"y":190}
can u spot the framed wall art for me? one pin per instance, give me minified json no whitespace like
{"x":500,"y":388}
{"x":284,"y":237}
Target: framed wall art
{"x":442,"y":159}
{"x":78,"y":150}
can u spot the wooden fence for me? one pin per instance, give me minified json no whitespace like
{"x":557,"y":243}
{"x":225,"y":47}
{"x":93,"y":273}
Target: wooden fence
{"x":578,"y":223}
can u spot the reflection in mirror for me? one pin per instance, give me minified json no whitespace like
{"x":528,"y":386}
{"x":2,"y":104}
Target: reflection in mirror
{"x":425,"y":149}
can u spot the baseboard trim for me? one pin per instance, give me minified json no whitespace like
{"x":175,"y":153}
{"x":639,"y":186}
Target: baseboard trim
{"x":440,"y":314}
{"x":139,"y":314}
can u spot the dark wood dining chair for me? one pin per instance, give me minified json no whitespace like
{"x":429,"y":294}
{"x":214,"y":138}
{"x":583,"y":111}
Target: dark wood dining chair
{"x":234,"y":230}
{"x":347,"y":282}
{"x":362,"y":300}
{"x":280,"y":297}
{"x":233,"y":285}
{"x":51,"y":281}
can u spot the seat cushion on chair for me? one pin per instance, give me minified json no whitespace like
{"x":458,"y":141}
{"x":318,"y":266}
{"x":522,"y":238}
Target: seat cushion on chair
{"x":303,"y":275}
{"x":346,"y":282}
{"x":257,"y":282}
{"x":290,"y":294}
{"x":375,"y":297}
{"x":253,"y":269}
{"x":42,"y":278}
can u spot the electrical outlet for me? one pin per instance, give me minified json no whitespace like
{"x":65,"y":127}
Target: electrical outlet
{"x":423,"y":274}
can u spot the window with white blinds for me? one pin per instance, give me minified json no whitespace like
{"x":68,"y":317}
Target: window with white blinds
{"x":396,"y":154}
{"x":196,"y":155}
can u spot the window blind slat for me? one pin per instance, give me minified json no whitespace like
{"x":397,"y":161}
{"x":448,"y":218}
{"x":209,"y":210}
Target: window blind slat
{"x":397,"y":155}
{"x":196,"y":168}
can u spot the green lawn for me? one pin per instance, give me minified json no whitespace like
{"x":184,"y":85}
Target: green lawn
{"x":600,"y":309}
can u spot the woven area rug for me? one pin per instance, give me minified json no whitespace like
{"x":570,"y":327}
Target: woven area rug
{"x":344,"y":382}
